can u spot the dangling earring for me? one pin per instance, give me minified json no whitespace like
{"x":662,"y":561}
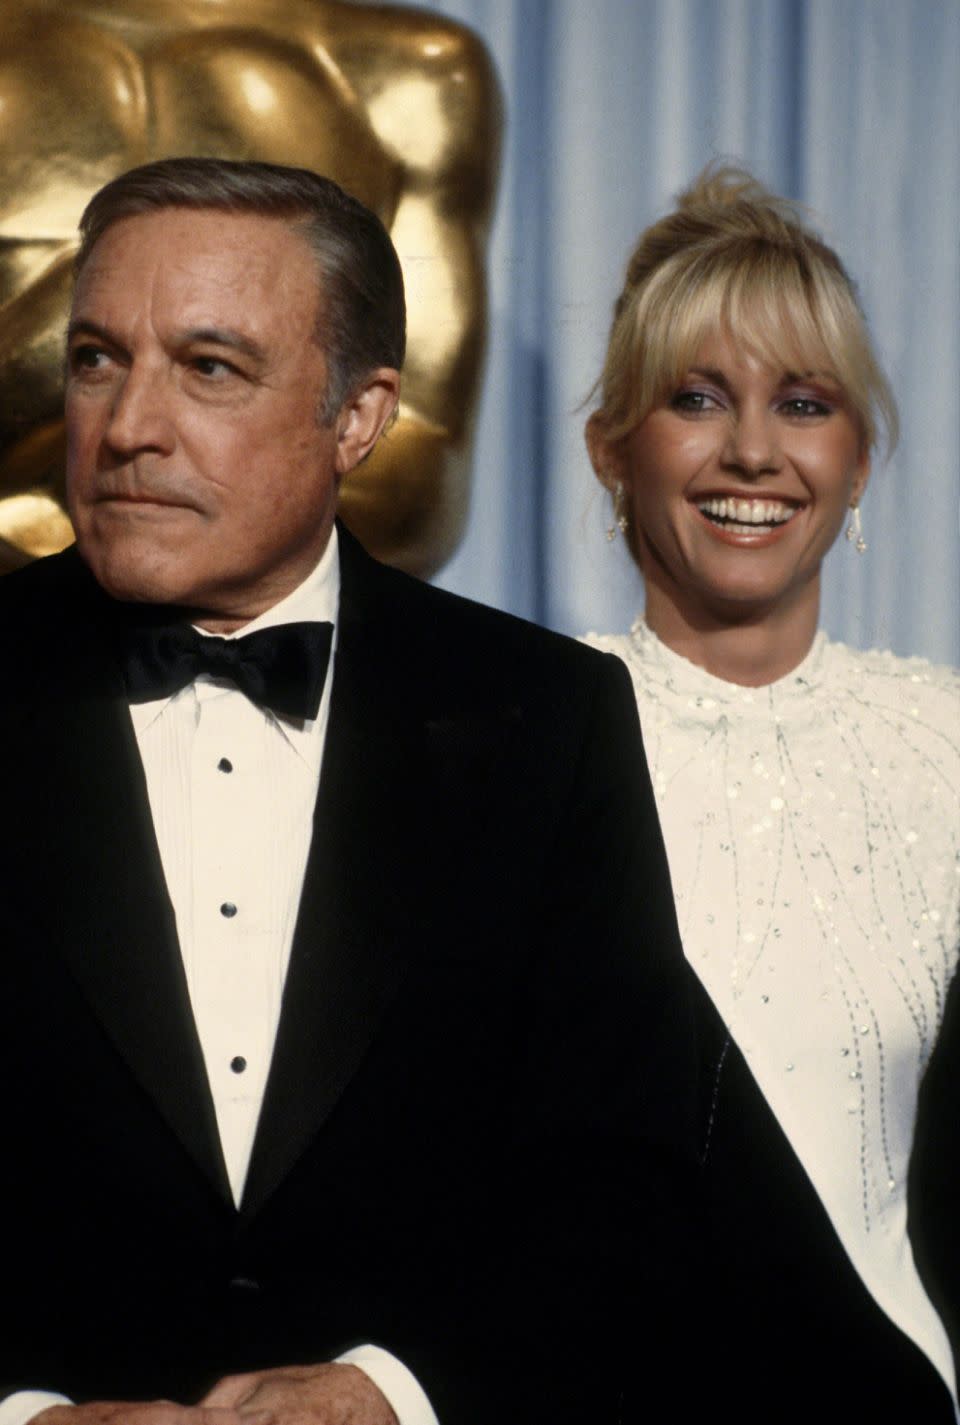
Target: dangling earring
{"x":621,"y":520}
{"x":855,"y":530}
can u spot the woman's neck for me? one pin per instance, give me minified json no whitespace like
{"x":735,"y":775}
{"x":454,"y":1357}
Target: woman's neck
{"x":753,"y":650}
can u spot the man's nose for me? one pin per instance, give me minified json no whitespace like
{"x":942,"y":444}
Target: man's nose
{"x":140,"y":417}
{"x":752,"y":445}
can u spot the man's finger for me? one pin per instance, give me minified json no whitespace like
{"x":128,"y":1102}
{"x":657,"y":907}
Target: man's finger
{"x":120,"y":1412}
{"x":232,"y":1391}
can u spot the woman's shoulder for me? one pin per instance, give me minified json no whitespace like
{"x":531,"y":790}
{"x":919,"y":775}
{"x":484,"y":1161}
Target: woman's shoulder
{"x":911,"y":681}
{"x":832,"y":676}
{"x":905,"y":711}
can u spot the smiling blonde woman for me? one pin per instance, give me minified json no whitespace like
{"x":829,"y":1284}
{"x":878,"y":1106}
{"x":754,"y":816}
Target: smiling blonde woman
{"x":808,"y":793}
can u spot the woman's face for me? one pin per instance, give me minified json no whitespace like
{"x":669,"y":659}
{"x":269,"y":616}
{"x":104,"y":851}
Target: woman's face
{"x":738,"y":485}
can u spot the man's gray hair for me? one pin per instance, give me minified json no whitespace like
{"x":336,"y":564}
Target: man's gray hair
{"x":362,"y":315}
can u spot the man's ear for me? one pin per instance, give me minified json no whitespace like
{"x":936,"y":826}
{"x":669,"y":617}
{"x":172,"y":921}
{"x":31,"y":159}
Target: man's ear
{"x":363,"y":416}
{"x":606,"y":455}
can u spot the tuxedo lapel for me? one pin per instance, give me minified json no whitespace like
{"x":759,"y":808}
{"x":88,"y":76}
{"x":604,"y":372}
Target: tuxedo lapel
{"x":111,"y":917}
{"x":357,"y":911}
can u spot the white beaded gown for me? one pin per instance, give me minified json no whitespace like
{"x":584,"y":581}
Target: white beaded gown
{"x":813,"y":834}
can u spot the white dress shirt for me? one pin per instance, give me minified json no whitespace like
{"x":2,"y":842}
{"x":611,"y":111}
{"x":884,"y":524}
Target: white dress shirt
{"x":232,"y":789}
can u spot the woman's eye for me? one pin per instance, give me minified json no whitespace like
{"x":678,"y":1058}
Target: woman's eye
{"x":693,"y":402}
{"x":805,"y":406}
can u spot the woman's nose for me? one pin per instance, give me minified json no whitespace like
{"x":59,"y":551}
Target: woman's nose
{"x":752,"y":445}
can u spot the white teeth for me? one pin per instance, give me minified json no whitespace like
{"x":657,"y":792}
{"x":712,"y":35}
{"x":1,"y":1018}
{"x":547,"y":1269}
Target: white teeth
{"x":748,"y":512}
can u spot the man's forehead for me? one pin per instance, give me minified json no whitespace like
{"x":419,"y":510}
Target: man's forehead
{"x":202,"y":240}
{"x":211,"y":267}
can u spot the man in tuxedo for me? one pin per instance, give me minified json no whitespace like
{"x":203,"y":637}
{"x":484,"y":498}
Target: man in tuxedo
{"x":345,"y":1034}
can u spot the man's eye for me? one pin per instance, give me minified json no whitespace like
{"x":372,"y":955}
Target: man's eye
{"x":213,"y":366}
{"x":87,"y":358}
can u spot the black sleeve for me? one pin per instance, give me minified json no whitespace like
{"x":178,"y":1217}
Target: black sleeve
{"x":591,"y":1266}
{"x":934,"y":1183}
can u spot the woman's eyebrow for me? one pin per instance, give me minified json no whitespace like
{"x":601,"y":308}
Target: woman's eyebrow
{"x":811,"y":375}
{"x":711,"y":373}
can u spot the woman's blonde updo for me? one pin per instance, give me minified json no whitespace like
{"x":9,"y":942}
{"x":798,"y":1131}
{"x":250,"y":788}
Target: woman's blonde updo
{"x":737,"y":259}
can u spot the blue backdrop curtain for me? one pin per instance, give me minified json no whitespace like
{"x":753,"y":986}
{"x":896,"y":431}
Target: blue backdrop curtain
{"x":850,"y":106}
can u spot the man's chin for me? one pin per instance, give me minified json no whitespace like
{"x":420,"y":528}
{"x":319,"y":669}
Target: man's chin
{"x":136,"y":576}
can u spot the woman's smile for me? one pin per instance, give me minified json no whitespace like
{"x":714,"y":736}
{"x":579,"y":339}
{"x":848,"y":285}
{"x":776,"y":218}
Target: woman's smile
{"x":740,"y":517}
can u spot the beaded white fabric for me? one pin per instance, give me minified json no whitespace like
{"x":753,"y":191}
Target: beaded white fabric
{"x":813,"y":833}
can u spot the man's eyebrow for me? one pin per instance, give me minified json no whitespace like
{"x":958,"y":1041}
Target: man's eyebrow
{"x":223,"y":336}
{"x":83,"y":326}
{"x":227,"y":337}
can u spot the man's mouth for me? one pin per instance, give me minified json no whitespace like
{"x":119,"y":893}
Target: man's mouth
{"x":148,"y":500}
{"x":740,"y":516}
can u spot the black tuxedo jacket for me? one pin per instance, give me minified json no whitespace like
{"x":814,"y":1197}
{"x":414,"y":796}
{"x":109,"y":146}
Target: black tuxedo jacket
{"x":477,"y":1144}
{"x":791,"y":1334}
{"x":934,"y":1184}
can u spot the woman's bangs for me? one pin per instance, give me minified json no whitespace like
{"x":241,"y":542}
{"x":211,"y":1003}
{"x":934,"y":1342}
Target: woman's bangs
{"x":763,"y":304}
{"x":770,"y":315}
{"x":681,"y":312}
{"x":771,"y":306}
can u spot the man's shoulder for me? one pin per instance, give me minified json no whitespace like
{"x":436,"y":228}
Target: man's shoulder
{"x":47,"y":590}
{"x":453,"y":632}
{"x":55,"y":630}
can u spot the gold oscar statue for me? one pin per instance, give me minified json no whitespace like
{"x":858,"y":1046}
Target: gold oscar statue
{"x":399,"y":106}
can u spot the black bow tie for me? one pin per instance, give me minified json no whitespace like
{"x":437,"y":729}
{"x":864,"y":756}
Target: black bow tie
{"x":281,"y":668}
